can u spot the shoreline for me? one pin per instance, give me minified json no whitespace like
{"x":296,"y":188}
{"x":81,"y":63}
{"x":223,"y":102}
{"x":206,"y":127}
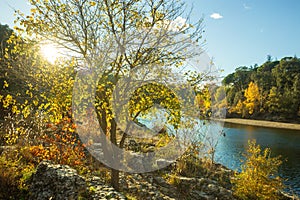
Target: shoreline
{"x":261,"y":123}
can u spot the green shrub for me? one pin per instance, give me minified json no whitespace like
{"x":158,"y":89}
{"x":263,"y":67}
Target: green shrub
{"x":259,"y":176}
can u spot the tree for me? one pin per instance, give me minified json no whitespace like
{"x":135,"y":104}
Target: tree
{"x":114,"y":39}
{"x":286,"y":75}
{"x":13,"y":73}
{"x":242,"y":77}
{"x":220,"y":97}
{"x":273,"y":101}
{"x":229,"y":79}
{"x":278,"y":89}
{"x":5,"y":33}
{"x":203,"y":101}
{"x":252,"y":98}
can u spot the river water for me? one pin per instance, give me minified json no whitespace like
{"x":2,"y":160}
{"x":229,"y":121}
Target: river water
{"x":230,"y":148}
{"x":281,"y":141}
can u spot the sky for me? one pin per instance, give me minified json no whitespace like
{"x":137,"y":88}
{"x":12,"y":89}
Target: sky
{"x":237,"y":32}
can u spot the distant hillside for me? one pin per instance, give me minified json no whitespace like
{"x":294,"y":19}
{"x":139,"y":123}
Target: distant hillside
{"x":270,"y":91}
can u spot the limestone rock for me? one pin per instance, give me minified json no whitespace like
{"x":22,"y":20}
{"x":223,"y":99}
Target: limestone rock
{"x":56,"y":182}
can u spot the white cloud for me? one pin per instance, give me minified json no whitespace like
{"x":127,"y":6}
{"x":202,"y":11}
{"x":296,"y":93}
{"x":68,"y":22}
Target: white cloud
{"x":216,"y":16}
{"x":247,"y":7}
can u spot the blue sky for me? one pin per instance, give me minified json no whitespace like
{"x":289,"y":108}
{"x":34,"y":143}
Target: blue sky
{"x":249,"y":30}
{"x":237,"y":32}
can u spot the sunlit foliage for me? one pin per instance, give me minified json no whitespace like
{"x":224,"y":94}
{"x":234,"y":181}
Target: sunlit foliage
{"x":270,"y":91}
{"x":252,"y":97}
{"x":114,"y":39}
{"x":259,"y":176}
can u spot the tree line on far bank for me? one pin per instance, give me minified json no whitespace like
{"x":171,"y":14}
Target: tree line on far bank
{"x":270,"y":91}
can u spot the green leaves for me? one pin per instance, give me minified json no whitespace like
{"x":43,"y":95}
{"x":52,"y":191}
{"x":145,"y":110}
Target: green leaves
{"x":146,"y":96}
{"x":271,"y":90}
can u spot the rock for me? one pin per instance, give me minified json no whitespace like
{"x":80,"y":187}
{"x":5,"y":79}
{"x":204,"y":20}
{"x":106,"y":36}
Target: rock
{"x":132,"y":145}
{"x":101,"y":190}
{"x":57,"y":182}
{"x":212,"y":188}
{"x":163,"y":163}
{"x":225,"y":194}
{"x":195,"y":194}
{"x":135,"y":161}
{"x":160,"y":181}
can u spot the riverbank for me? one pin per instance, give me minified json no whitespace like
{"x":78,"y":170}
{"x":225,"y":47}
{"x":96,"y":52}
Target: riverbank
{"x":260,"y":123}
{"x":49,"y":180}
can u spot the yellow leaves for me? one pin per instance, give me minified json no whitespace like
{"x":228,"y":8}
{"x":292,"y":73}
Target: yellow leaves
{"x":29,"y":93}
{"x":92,"y":3}
{"x":164,"y":140}
{"x":30,"y":18}
{"x":63,"y":8}
{"x":33,"y":10}
{"x":15,"y":109}
{"x":203,"y":100}
{"x":11,"y":39}
{"x":252,"y":92}
{"x":6,"y":55}
{"x":239,"y":107}
{"x":18,"y":29}
{"x":251,"y":103}
{"x":252,"y":97}
{"x":7,"y":101}
{"x":5,"y":84}
{"x":256,"y":179}
{"x":26,"y":111}
{"x":146,"y":97}
{"x":35,"y":102}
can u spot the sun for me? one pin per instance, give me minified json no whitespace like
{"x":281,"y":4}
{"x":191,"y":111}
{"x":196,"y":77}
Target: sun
{"x":50,"y":52}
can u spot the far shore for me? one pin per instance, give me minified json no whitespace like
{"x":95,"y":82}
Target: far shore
{"x":262,"y":123}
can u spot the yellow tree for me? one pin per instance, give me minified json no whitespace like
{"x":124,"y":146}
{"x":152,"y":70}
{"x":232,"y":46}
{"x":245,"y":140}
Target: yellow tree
{"x":116,"y":40}
{"x":45,"y":95}
{"x":45,"y":86}
{"x":203,"y":101}
{"x":252,"y":96}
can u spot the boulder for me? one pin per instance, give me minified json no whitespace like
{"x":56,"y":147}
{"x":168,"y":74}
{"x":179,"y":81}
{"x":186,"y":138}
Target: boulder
{"x":56,"y":182}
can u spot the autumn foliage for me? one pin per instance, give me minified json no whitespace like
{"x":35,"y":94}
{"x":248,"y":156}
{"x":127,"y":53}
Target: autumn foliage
{"x":60,"y":145}
{"x":259,"y":176}
{"x":251,"y":103}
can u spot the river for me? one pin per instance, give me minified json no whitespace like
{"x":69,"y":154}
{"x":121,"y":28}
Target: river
{"x":281,"y":141}
{"x":230,"y":149}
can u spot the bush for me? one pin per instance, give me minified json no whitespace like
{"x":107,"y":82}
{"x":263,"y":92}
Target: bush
{"x":18,"y":130}
{"x":60,"y":144}
{"x":189,"y":164}
{"x":259,"y":176}
{"x":14,"y":176}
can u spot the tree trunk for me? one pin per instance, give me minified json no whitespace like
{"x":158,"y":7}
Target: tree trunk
{"x":114,"y":172}
{"x":115,"y":179}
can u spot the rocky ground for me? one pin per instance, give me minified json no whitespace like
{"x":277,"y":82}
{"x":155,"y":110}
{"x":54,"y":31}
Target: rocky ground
{"x":62,"y":182}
